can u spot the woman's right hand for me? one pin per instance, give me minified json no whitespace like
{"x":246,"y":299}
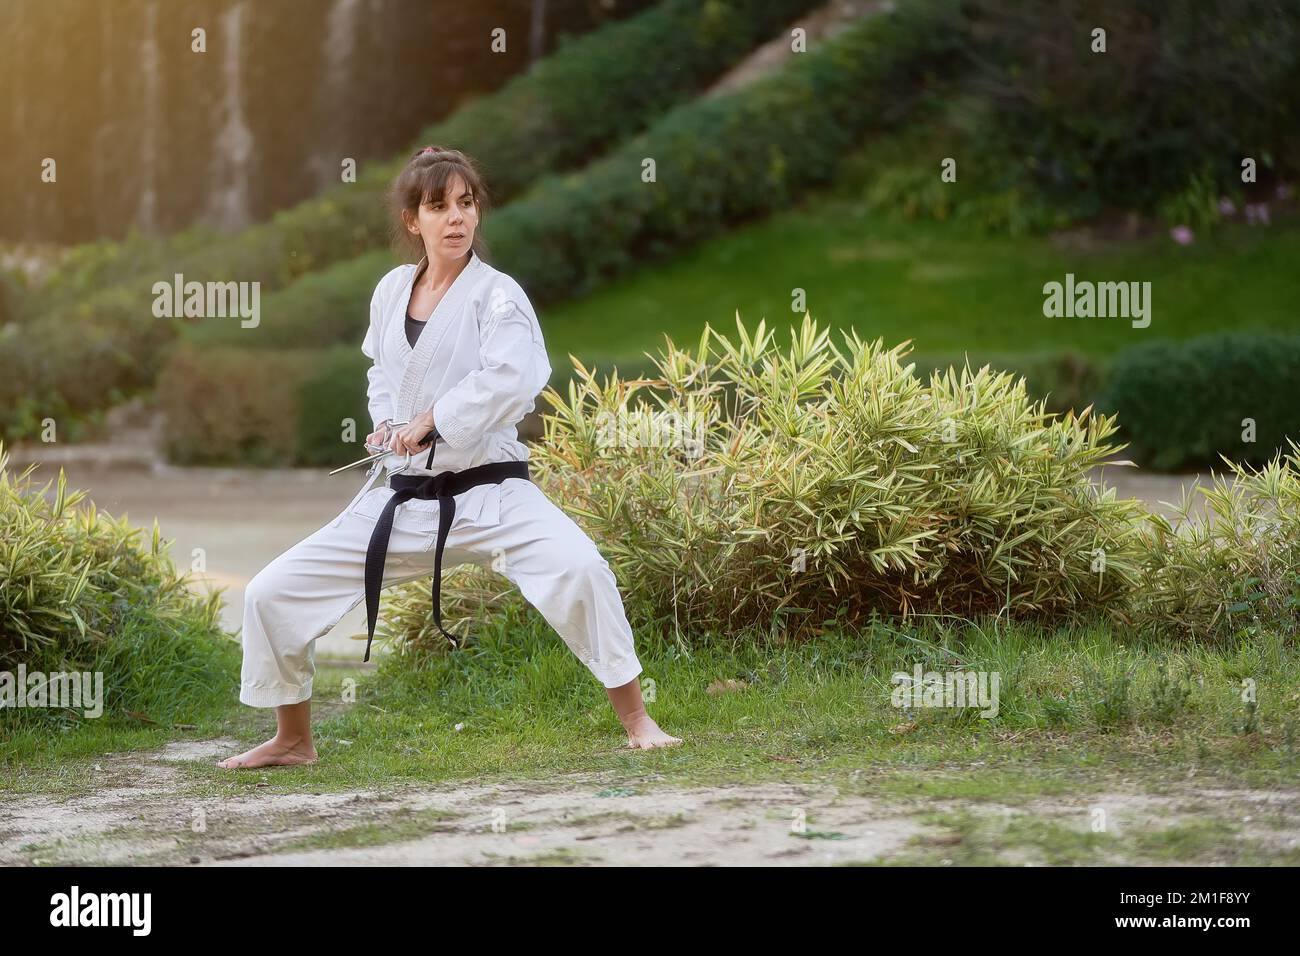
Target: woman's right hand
{"x":378,"y":439}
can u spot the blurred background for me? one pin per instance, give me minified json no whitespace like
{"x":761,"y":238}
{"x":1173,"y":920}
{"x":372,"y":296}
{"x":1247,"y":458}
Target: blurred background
{"x":914,"y":170}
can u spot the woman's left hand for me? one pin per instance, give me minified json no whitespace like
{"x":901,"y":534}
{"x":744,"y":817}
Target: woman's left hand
{"x":407,"y":439}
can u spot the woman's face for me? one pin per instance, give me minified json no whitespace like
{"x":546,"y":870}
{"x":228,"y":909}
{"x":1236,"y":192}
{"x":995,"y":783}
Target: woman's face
{"x":442,"y":218}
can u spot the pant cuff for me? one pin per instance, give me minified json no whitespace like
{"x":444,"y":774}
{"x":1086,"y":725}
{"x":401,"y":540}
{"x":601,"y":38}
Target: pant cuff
{"x":617,"y":675}
{"x":274,"y":695}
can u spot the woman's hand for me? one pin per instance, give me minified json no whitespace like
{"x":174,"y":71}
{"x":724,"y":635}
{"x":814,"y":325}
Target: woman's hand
{"x":378,"y":439}
{"x":408,"y":438}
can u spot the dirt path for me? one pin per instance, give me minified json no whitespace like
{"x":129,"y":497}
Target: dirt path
{"x":141,"y":813}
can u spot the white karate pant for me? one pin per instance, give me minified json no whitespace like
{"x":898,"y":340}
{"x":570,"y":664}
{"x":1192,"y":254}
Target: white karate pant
{"x":304,"y":592}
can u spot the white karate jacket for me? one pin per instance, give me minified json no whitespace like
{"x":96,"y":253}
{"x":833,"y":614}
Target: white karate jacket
{"x":479,"y":363}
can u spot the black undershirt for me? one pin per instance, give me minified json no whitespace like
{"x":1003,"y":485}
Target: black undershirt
{"x":413,"y":329}
{"x":413,"y":326}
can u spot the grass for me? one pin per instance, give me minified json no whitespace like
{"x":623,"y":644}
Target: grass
{"x":1071,"y":703}
{"x":945,"y":285}
{"x":403,"y":824}
{"x":1085,"y":718}
{"x":156,"y":675}
{"x":965,"y":838}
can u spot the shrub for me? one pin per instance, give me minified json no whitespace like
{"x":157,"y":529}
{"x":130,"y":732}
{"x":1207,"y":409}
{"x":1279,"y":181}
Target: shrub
{"x":74,"y":577}
{"x":749,"y":487}
{"x":324,"y":308}
{"x":1064,"y":380}
{"x":1232,"y":565}
{"x":469,"y":592}
{"x":900,"y":176}
{"x":224,"y":405}
{"x":1196,"y":205}
{"x":1136,"y":123}
{"x":227,"y":406}
{"x":91,"y":267}
{"x":13,"y":290}
{"x":330,"y":395}
{"x":741,"y":488}
{"x":1185,"y":403}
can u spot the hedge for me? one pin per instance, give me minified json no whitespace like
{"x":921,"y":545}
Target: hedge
{"x":321,"y":309}
{"x":230,"y":406}
{"x":719,"y":159}
{"x":1183,"y":404}
{"x":1162,"y":106}
{"x":722,"y":159}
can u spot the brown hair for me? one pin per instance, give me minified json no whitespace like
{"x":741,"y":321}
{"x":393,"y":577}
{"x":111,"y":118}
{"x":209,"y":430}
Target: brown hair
{"x":424,"y":179}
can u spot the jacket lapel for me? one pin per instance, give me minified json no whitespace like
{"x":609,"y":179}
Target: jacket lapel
{"x":420,"y":358}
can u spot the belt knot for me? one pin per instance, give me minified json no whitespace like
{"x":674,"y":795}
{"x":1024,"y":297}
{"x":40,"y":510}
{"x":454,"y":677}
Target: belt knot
{"x":444,"y":487}
{"x":428,"y":486}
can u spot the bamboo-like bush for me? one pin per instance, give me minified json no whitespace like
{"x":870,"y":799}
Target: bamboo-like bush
{"x":70,"y":577}
{"x":1231,"y":565}
{"x":794,"y":490}
{"x":748,"y":486}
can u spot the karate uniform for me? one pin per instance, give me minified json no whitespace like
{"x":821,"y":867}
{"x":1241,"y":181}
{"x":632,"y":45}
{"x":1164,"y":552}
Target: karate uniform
{"x":479,"y":363}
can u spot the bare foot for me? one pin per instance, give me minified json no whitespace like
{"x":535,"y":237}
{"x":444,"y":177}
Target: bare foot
{"x":276,"y":752}
{"x":644,"y":733}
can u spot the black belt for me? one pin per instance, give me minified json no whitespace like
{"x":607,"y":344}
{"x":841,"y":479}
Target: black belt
{"x":442,"y":487}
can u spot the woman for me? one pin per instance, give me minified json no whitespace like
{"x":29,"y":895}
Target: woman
{"x":457,"y":354}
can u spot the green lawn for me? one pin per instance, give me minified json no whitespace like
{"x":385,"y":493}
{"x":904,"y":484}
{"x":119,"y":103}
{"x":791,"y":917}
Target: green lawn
{"x":944,"y":285}
{"x":1070,"y":702}
{"x":1085,"y":717}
